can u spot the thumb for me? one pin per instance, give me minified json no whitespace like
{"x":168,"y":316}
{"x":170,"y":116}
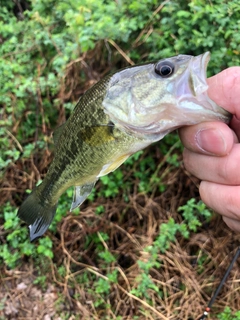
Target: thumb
{"x":211,"y":138}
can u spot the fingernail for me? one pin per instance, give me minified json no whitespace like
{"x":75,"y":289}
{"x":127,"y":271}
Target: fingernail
{"x":211,"y":141}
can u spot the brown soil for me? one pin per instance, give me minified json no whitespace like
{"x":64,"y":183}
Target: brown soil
{"x":185,"y":289}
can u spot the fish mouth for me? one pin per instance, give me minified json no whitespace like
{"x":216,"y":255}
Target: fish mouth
{"x":198,"y":77}
{"x":193,"y":82}
{"x":199,"y":86}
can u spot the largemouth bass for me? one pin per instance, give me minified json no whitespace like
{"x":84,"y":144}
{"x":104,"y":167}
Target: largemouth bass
{"x":121,"y":114}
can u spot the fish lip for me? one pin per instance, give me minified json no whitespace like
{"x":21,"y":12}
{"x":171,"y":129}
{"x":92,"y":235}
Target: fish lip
{"x":200,"y":86}
{"x":204,"y":61}
{"x":199,"y":73}
{"x":193,"y":82}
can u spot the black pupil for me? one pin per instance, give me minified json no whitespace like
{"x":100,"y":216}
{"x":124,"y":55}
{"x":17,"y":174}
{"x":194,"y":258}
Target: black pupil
{"x":165,"y":70}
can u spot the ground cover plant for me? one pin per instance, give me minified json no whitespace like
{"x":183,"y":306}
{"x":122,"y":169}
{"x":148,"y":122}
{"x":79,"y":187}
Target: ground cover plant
{"x":143,"y":246}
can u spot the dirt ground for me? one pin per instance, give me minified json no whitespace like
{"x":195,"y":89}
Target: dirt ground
{"x":185,"y":289}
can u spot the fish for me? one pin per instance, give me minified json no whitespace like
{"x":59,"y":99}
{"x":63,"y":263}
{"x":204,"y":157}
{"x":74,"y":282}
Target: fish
{"x":123,"y":113}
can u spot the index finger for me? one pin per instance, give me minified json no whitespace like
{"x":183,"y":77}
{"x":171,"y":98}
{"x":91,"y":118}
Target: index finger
{"x":224,"y":89}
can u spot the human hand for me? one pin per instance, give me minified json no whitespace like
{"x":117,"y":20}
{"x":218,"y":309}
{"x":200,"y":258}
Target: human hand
{"x":212,"y":150}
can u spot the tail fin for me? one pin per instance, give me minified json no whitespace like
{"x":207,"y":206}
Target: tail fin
{"x":36,"y":215}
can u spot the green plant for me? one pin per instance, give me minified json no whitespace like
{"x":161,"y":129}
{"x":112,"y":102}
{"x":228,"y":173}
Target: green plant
{"x":41,"y":281}
{"x":45,"y":247}
{"x":112,"y":183}
{"x":97,"y":239}
{"x":227,"y":314}
{"x":202,"y":260}
{"x":107,"y":256}
{"x":50,"y":53}
{"x":17,"y":243}
{"x":192,"y":212}
{"x":102,"y":287}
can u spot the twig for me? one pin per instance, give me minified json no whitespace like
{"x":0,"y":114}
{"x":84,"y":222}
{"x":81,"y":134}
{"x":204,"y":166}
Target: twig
{"x":160,"y":315}
{"x":159,"y":8}
{"x":125,"y":56}
{"x":15,"y":140}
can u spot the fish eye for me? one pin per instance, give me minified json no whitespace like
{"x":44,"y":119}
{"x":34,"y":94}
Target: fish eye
{"x":164,"y":68}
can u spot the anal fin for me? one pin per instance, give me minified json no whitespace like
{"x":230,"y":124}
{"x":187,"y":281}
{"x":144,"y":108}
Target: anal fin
{"x":80,"y":194}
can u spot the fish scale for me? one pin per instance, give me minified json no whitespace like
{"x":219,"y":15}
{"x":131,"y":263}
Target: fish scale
{"x":121,"y":114}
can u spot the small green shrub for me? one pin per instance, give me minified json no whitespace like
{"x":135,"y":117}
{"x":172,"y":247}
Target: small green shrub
{"x":227,"y":314}
{"x":17,"y":243}
{"x":192,"y":212}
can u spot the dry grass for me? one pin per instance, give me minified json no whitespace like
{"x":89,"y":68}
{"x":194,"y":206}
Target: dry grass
{"x":184,"y":288}
{"x":131,"y":227}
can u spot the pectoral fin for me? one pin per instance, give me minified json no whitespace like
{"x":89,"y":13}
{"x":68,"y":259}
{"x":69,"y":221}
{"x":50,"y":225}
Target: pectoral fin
{"x":80,"y":194}
{"x":110,"y":167}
